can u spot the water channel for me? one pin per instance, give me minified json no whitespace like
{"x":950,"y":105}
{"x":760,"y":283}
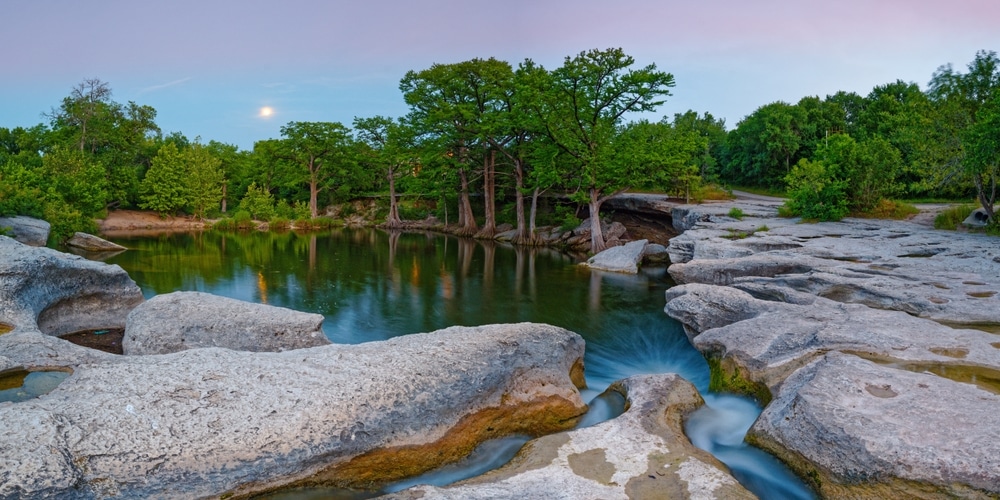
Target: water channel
{"x":373,"y":285}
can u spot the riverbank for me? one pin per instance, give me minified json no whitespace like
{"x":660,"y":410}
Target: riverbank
{"x":869,"y":340}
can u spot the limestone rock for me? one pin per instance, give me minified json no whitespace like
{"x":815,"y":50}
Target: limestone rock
{"x":655,"y":253}
{"x":188,"y":320}
{"x":945,"y":276}
{"x":621,"y":259}
{"x":91,"y":243}
{"x":861,"y":430}
{"x":56,"y":293}
{"x":27,"y":230}
{"x":642,"y":453}
{"x":204,"y":422}
{"x":766,"y":341}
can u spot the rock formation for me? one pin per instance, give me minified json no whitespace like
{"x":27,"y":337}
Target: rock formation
{"x":27,"y":230}
{"x":642,"y":453}
{"x":91,"y":243}
{"x":620,"y":259}
{"x":187,"y":320}
{"x":841,"y":324}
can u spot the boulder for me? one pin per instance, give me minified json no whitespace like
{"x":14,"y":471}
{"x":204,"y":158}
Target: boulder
{"x":27,"y":230}
{"x":620,"y":259}
{"x":188,"y":320}
{"x":216,"y":422}
{"x":57,"y":293}
{"x":91,"y":243}
{"x":763,"y":342}
{"x":654,"y":253}
{"x":642,"y":453}
{"x":857,"y":429}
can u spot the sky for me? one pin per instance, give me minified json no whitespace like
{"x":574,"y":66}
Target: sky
{"x":208,"y":67}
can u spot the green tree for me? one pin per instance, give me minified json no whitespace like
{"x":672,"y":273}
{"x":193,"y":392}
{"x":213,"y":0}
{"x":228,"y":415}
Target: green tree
{"x":581,"y":105}
{"x":970,"y":99}
{"x":165,"y":188}
{"x":75,"y":179}
{"x":814,"y":191}
{"x":762,"y":148}
{"x":321,"y":152}
{"x":204,"y":179}
{"x":390,"y":149}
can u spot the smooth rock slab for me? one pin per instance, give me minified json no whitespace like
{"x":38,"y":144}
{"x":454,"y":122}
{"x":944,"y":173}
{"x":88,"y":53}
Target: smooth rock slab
{"x":861,"y":430}
{"x":620,"y":259}
{"x":766,"y":341}
{"x":57,"y":293}
{"x":204,"y":422}
{"x":27,"y":230}
{"x":188,"y":320}
{"x":92,"y":243}
{"x":642,"y":453}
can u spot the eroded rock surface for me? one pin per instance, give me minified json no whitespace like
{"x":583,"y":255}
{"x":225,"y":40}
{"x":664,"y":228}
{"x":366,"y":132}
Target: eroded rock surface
{"x":642,"y":453}
{"x":871,"y":400}
{"x":202,"y":422}
{"x":56,"y":293}
{"x":187,"y":320}
{"x":27,"y":230}
{"x":861,"y":430}
{"x":945,"y":276}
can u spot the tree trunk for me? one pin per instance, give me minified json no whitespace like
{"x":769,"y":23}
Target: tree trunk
{"x":534,"y":210}
{"x":987,"y":194}
{"x":393,"y":220}
{"x":466,"y":220}
{"x":489,"y":229}
{"x":224,"y":186}
{"x":597,"y":243}
{"x":313,"y":188}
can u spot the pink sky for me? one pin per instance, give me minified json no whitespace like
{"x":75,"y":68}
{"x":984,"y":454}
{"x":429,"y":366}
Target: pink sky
{"x":208,"y":66}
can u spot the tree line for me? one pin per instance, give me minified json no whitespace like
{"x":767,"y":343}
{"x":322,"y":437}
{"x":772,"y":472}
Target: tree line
{"x":487,"y":133}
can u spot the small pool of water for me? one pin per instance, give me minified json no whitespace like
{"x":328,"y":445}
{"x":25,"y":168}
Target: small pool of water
{"x":21,"y":385}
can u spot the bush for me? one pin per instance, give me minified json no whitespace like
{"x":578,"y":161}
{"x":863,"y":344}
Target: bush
{"x":814,"y":193}
{"x":227,"y":224}
{"x":66,"y":220}
{"x":950,"y":219}
{"x":736,"y":213}
{"x":242,"y":220}
{"x":279,"y":223}
{"x":258,"y":202}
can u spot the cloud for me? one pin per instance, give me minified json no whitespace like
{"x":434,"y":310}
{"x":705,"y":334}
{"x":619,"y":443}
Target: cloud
{"x":164,"y":85}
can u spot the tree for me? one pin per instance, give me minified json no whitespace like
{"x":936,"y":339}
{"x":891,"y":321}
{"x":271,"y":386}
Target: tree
{"x":321,"y":151}
{"x":762,"y":148}
{"x":580,"y":106}
{"x":85,"y":113}
{"x":204,"y":179}
{"x":390,"y":148}
{"x":165,"y":188}
{"x":971,"y":97}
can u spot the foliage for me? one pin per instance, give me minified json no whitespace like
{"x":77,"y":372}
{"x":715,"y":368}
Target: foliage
{"x":258,"y":202}
{"x":951,"y":218}
{"x":242,"y":220}
{"x":814,"y":193}
{"x":891,"y":209}
{"x":736,"y":213}
{"x":165,"y":188}
{"x":204,"y":179}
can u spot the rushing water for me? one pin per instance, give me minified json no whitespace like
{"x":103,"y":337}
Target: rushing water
{"x":372,"y":285}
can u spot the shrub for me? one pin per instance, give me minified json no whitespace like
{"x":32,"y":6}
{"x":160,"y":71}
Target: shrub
{"x":243,"y":220}
{"x":279,"y":223}
{"x":227,"y":224}
{"x":258,"y":202}
{"x":736,"y":213}
{"x":950,"y":219}
{"x":814,"y":193}
{"x":889,"y":209}
{"x":303,"y":223}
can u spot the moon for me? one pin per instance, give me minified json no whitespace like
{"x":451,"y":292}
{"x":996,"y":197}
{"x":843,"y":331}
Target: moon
{"x":266,"y":111}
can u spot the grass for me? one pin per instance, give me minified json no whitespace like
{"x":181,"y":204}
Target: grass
{"x":736,"y":234}
{"x":775,"y":192}
{"x":950,"y":219}
{"x":736,"y":213}
{"x":890,"y":209}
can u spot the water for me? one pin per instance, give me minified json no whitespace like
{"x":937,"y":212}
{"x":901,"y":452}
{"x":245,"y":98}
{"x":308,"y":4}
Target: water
{"x":20,"y":386}
{"x":372,"y":285}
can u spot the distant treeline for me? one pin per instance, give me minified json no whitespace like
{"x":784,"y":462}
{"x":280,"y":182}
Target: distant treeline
{"x":512,"y":134}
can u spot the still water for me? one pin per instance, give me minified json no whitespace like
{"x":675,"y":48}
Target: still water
{"x":373,"y":285}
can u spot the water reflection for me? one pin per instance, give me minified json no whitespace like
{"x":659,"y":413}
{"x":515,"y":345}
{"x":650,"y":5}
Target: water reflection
{"x":374,"y":285}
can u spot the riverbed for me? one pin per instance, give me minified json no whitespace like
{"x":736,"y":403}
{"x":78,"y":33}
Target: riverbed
{"x":374,"y":285}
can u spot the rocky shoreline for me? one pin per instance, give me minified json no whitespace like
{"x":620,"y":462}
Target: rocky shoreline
{"x":864,"y":337}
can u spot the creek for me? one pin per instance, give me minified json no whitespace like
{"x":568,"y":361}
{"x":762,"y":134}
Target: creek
{"x":373,"y":285}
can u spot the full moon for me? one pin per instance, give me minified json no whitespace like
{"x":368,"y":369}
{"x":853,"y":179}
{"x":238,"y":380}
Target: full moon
{"x":266,"y":111}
